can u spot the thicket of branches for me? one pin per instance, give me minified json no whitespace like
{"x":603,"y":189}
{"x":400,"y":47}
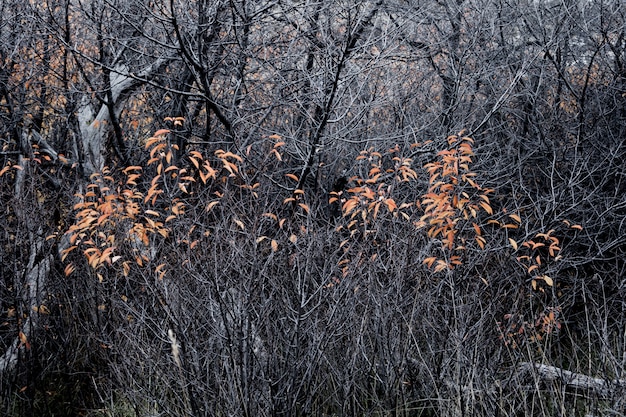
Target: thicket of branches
{"x":288,"y":208}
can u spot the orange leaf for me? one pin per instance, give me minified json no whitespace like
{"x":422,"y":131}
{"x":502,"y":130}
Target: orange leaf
{"x":278,"y":155}
{"x":293,"y":177}
{"x":240,"y":224}
{"x":274,"y":245}
{"x":161,"y":132}
{"x":106,"y":255}
{"x":126,"y":268}
{"x":548,"y":280}
{"x":536,"y":245}
{"x":270,"y":215}
{"x":24,"y":340}
{"x":349,"y":205}
{"x":486,"y":207}
{"x":545,"y":236}
{"x":441,"y":265}
{"x":132,"y":168}
{"x":515,"y":217}
{"x":368,"y":193}
{"x":429,"y":261}
{"x":376,"y":208}
{"x":69,"y":269}
{"x":553,"y":249}
{"x":211,"y":205}
{"x":4,"y":170}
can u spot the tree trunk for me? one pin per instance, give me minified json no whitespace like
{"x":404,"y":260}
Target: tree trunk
{"x":95,"y":128}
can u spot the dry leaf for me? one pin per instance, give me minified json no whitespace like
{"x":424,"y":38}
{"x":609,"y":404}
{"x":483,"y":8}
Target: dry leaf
{"x":240,"y":224}
{"x":24,"y":340}
{"x":429,"y":261}
{"x":548,"y":280}
{"x":515,"y":217}
{"x":211,"y":205}
{"x":161,"y":132}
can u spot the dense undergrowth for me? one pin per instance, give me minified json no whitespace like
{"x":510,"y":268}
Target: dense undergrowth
{"x":322,"y":209}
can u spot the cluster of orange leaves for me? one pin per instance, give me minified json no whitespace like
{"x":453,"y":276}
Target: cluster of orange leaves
{"x":534,"y":256}
{"x":539,"y":250}
{"x":364,"y":201}
{"x":453,"y":199}
{"x":514,"y":330}
{"x":296,"y":199}
{"x":112,"y":212}
{"x":9,"y":166}
{"x":140,"y":207}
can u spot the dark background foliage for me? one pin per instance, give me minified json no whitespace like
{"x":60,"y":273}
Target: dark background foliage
{"x":259,"y":295}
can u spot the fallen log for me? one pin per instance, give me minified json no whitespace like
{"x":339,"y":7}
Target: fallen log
{"x":599,"y":386}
